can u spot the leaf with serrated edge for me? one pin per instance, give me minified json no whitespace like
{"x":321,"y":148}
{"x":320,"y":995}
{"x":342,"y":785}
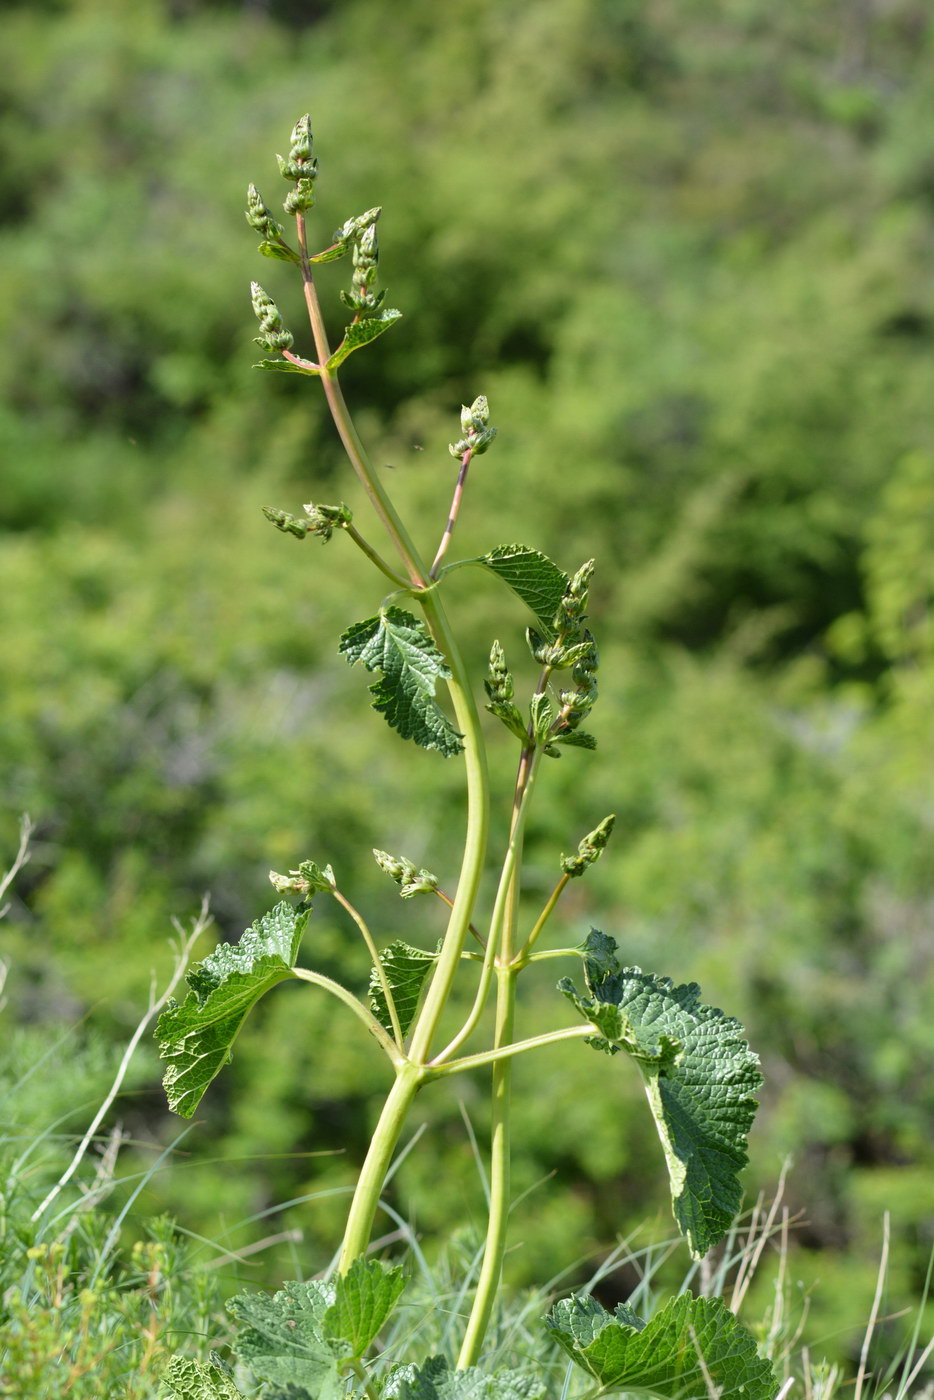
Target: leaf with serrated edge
{"x":364,"y":1298}
{"x":400,"y":646}
{"x":433,"y":1381}
{"x":532,"y":576}
{"x":700,"y":1080}
{"x":196,"y":1036}
{"x":185,"y":1379}
{"x":360,"y":333}
{"x":282,"y":1338}
{"x":692,"y":1349}
{"x":406,"y":969}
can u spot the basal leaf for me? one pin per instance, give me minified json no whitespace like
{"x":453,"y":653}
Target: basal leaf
{"x":364,"y":1298}
{"x":400,"y":646}
{"x":692,"y":1349}
{"x":196,"y":1036}
{"x":282,"y":1338}
{"x":700,"y":1079}
{"x":361,"y":333}
{"x":434,"y":1381}
{"x":288,"y":366}
{"x":532,"y":576}
{"x":406,"y":969}
{"x":185,"y":1379}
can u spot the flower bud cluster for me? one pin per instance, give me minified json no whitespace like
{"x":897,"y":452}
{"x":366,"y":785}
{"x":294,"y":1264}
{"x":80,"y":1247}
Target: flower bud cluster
{"x":500,"y":689}
{"x":274,"y":335}
{"x":317,"y":520}
{"x":365,"y":252}
{"x":260,"y":217}
{"x":301,"y":167}
{"x":590,"y":849}
{"x":477,"y":434}
{"x":307,"y":880}
{"x":404,"y":873}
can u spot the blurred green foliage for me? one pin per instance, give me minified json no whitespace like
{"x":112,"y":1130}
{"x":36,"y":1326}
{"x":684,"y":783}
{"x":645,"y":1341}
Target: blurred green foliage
{"x":686,"y":251}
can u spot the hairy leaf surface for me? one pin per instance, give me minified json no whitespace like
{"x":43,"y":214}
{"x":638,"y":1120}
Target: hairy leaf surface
{"x":283,"y":1340}
{"x":532,"y":576}
{"x":398,"y":645}
{"x":360,"y":333}
{"x":196,"y":1036}
{"x":434,"y":1381}
{"x":185,"y":1379}
{"x":364,"y":1298}
{"x":406,"y":969}
{"x":700,"y":1079}
{"x":692,"y":1349}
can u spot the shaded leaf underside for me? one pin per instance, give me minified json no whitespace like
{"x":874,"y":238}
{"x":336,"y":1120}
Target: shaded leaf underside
{"x":196,"y":1036}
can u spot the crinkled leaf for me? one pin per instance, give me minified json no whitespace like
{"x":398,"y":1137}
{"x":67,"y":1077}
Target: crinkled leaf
{"x":434,"y":1381}
{"x":364,"y":1298}
{"x":360,"y":333}
{"x":575,"y":739}
{"x":185,"y":1379}
{"x":283,"y":1339}
{"x":288,"y":366}
{"x":700,"y":1079}
{"x":400,"y":646}
{"x":692,"y":1349}
{"x":196,"y":1037}
{"x":531,"y":575}
{"x":406,"y":969}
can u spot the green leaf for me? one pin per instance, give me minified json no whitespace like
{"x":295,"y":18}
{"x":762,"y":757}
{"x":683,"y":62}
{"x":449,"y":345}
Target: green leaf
{"x":575,"y":739}
{"x":288,"y":366}
{"x":364,"y":1298}
{"x":700,"y":1079}
{"x":406,"y":969}
{"x":692,"y":1349}
{"x":283,"y":1339}
{"x":196,"y":1036}
{"x":185,"y":1379}
{"x":360,"y":333}
{"x":336,"y":250}
{"x":533,"y":577}
{"x":280,"y":251}
{"x":433,"y":1381}
{"x":400,"y":646}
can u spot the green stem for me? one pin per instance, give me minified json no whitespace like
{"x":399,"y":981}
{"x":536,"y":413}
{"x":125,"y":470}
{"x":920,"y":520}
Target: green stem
{"x":518,"y":1047}
{"x":366,"y":1195}
{"x":386,"y":1135}
{"x":478,"y":803}
{"x":543,"y":918}
{"x":377,"y":964}
{"x":500,"y":1141}
{"x":495,"y":1246}
{"x":318,"y":979}
{"x":373,"y":557}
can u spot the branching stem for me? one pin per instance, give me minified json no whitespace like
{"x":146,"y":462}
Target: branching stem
{"x":377,"y":964}
{"x":452,"y":514}
{"x":328,"y":984}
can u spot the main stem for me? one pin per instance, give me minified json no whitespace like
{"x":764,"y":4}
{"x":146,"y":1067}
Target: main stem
{"x":409,"y":1077}
{"x":500,"y":1141}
